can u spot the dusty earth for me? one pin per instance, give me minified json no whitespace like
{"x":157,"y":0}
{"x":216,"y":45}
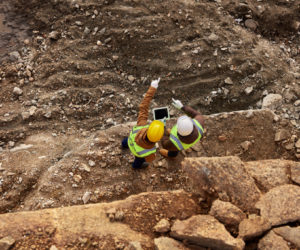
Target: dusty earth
{"x":73,"y":73}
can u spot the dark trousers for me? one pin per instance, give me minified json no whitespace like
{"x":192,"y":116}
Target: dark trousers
{"x":138,"y":162}
{"x":172,"y":153}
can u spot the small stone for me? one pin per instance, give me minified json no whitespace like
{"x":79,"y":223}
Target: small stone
{"x":86,"y":197}
{"x":91,"y":163}
{"x":134,"y":245}
{"x":281,"y":135}
{"x":25,"y":115}
{"x":297,"y":144}
{"x":48,"y":114}
{"x":251,"y":24}
{"x":222,"y":138}
{"x":245,"y":145}
{"x":111,"y":211}
{"x":102,"y":31}
{"x":248,"y":90}
{"x":99,"y":43}
{"x":115,"y":58}
{"x":215,"y":52}
{"x":17,"y":91}
{"x":86,"y":30}
{"x":228,"y":81}
{"x":213,"y":37}
{"x":162,"y":226}
{"x":78,"y":23}
{"x":32,"y":110}
{"x":272,"y":101}
{"x":54,"y":35}
{"x":166,"y":243}
{"x":289,"y":146}
{"x":276,"y":118}
{"x":297,"y":103}
{"x":249,"y":114}
{"x":103,"y":164}
{"x":26,"y":41}
{"x":110,"y":121}
{"x":14,"y":56}
{"x":119,"y":215}
{"x":6,"y":242}
{"x":53,"y":247}
{"x":131,"y":78}
{"x":77,"y":178}
{"x":28,"y":73}
{"x":83,"y":240}
{"x":85,"y":167}
{"x":21,"y":82}
{"x":107,"y":40}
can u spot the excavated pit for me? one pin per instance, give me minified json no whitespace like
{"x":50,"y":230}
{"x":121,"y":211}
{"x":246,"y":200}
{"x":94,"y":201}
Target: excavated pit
{"x":82,"y":72}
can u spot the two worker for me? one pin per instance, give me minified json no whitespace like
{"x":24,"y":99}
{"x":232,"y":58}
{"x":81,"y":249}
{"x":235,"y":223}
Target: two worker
{"x":143,"y":137}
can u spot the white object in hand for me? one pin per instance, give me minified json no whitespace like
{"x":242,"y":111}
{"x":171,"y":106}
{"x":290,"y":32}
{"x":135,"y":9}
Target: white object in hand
{"x":154,"y":83}
{"x":177,"y":104}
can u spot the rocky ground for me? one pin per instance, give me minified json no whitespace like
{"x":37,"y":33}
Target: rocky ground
{"x":72,"y":75}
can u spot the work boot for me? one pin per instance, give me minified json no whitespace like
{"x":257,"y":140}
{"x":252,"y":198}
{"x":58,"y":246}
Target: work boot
{"x":145,"y":165}
{"x":163,"y":152}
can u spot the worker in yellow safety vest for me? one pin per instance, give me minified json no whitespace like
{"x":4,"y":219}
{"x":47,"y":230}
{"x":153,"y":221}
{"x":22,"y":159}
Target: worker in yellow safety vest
{"x":142,"y":138}
{"x":185,"y":133}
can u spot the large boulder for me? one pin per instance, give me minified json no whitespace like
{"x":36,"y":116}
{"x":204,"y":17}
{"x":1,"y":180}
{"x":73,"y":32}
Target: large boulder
{"x":269,"y":173}
{"x":280,"y":205}
{"x":226,"y":213}
{"x":253,"y":227}
{"x":225,"y":176}
{"x":272,"y":242}
{"x":166,"y":243}
{"x":163,"y":226}
{"x":205,"y":231}
{"x":291,"y":234}
{"x":138,"y":213}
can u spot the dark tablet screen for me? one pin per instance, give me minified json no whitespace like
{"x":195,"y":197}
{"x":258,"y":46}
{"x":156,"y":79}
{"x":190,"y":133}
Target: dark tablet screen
{"x":161,"y":113}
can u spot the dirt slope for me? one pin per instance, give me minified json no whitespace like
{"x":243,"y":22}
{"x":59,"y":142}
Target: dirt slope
{"x":57,"y":170}
{"x":89,"y":62}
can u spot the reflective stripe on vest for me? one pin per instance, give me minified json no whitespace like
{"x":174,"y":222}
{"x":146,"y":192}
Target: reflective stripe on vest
{"x":198,"y":126}
{"x":180,"y":145}
{"x":135,"y":148}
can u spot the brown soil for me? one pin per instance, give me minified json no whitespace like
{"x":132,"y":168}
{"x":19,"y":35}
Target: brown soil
{"x":86,"y":65}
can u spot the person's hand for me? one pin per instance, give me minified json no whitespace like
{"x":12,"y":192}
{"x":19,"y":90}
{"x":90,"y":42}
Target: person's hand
{"x":154,"y":83}
{"x":177,"y":104}
{"x":164,"y":152}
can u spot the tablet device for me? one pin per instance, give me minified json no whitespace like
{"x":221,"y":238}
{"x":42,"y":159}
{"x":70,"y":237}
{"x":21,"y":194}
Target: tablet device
{"x":161,"y":114}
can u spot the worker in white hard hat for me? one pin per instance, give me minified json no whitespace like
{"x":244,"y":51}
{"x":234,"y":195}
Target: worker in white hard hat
{"x":185,"y":133}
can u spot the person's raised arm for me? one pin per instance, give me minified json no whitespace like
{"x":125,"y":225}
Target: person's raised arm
{"x":144,"y":106}
{"x":194,"y":114}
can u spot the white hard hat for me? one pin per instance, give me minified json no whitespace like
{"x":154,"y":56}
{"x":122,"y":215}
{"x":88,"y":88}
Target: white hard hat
{"x":184,"y":125}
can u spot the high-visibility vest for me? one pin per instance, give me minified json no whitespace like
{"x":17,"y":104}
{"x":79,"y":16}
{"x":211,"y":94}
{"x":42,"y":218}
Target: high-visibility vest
{"x":137,"y":150}
{"x":179,"y":144}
